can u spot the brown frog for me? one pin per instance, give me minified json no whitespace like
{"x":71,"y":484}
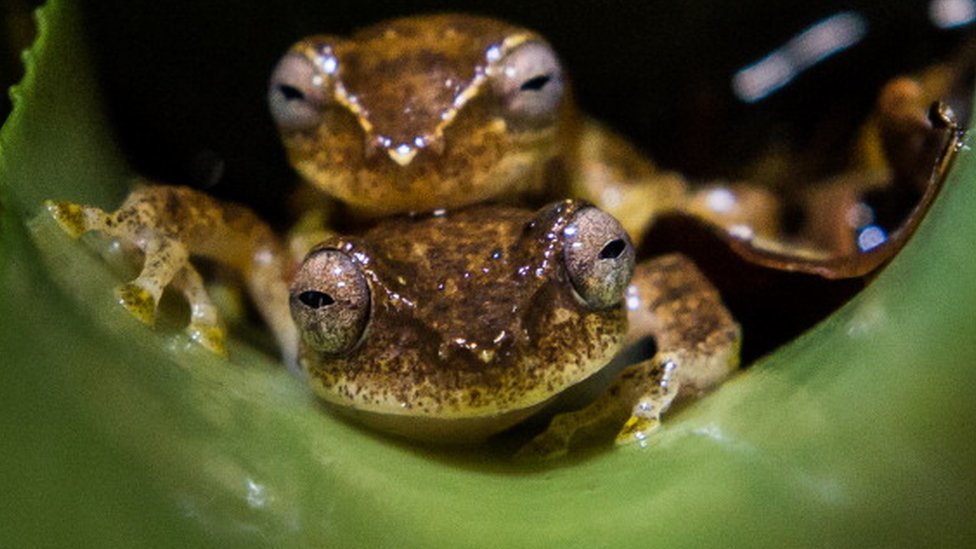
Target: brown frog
{"x":433,"y":112}
{"x":454,"y":326}
{"x":442,"y":111}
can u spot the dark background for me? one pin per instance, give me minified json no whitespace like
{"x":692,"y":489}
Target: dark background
{"x":184,"y":84}
{"x":185,"y":81}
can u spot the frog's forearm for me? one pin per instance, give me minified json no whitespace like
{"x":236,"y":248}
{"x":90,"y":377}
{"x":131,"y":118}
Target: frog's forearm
{"x":169,"y":224}
{"x":697,"y":348}
{"x":671,"y":300}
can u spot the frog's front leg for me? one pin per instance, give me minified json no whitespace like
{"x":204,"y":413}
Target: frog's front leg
{"x":169,"y":224}
{"x":619,"y":179}
{"x":697,"y":348}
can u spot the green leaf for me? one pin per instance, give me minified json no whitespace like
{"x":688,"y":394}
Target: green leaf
{"x":859,"y":433}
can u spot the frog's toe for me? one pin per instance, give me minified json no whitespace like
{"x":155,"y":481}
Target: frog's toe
{"x":205,"y":326}
{"x":210,"y":336}
{"x":637,"y":429}
{"x":75,"y":219}
{"x":139,"y":301}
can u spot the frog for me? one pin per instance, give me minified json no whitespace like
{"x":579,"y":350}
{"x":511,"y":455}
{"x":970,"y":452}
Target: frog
{"x":447,"y":110}
{"x":432,"y":114}
{"x":453,"y":326}
{"x":442,"y":111}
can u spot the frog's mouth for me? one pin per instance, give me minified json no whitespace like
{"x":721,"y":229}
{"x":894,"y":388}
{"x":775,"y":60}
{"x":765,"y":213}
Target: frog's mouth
{"x":446,"y":422}
{"x":470,"y":162}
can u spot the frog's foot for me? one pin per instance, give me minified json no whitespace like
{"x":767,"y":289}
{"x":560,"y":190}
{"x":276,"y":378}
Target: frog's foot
{"x":76,"y":219}
{"x":643,"y":391}
{"x":698,"y":348}
{"x":655,"y":382}
{"x":205,"y":327}
{"x":166,"y":262}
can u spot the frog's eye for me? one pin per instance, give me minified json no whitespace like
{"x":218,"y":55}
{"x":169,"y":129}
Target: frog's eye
{"x":296,"y":93}
{"x":598,"y":256}
{"x":530,"y":81}
{"x":330,"y":302}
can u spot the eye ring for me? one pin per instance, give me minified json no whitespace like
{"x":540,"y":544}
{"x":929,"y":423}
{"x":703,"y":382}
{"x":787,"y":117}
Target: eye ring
{"x":330,"y":302}
{"x":297,"y":92}
{"x":599,"y":257}
{"x":529,"y":80}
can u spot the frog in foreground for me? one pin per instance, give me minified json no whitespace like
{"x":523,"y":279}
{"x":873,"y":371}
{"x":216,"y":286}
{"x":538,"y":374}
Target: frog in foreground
{"x":455,"y":326}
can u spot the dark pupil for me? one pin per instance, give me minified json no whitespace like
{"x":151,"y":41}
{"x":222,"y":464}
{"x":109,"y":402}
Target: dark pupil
{"x":315,"y":300}
{"x":613,"y":249}
{"x":290,"y":92}
{"x":536,"y":83}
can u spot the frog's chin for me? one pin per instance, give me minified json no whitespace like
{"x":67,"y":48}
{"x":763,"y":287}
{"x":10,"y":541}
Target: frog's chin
{"x":443,"y":431}
{"x":385,"y":188}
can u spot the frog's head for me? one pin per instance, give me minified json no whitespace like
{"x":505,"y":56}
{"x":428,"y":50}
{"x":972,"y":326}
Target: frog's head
{"x":457,"y":326}
{"x":421,"y":113}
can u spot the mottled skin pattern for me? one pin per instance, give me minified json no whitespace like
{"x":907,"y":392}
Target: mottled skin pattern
{"x":420,"y":83}
{"x":480,"y":329}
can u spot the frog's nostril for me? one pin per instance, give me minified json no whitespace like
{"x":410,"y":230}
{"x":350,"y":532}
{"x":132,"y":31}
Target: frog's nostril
{"x":315,"y":300}
{"x":613,"y":249}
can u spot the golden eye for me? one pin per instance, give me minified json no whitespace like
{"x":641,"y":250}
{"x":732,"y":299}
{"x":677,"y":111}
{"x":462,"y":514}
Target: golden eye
{"x":330,"y":302}
{"x":530,"y":81}
{"x":296,"y":93}
{"x":599,"y":257}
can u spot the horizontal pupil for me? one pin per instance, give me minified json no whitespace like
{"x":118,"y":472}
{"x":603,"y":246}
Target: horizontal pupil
{"x":315,"y":300}
{"x":613,"y":249}
{"x":290,"y":92}
{"x":535,"y":83}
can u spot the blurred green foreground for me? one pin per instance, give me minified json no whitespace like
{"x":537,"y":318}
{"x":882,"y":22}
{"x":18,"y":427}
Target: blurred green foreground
{"x":859,"y":433}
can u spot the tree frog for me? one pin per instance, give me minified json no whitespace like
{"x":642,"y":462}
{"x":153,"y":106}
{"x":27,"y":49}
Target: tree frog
{"x":455,"y":325}
{"x":438,"y":114}
{"x":442,"y":111}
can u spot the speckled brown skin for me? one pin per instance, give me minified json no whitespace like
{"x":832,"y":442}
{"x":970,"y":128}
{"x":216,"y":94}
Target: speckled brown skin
{"x":469,"y":335}
{"x":474,"y":324}
{"x":421,"y":80}
{"x":425,"y":82}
